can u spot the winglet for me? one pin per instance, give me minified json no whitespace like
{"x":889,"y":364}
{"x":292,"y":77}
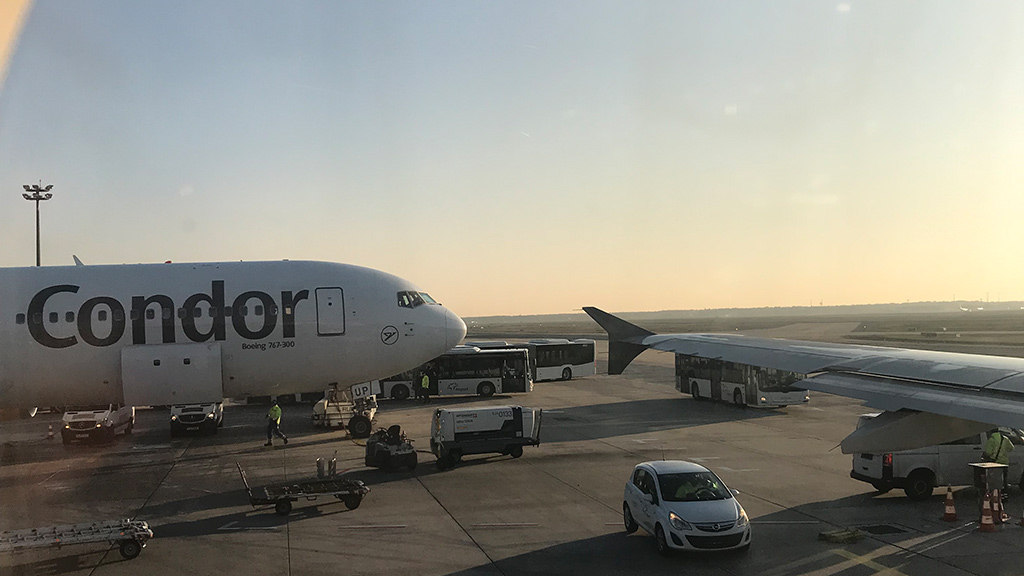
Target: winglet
{"x":625,"y":340}
{"x":77,"y":261}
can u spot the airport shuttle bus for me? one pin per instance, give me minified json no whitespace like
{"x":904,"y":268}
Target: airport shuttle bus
{"x":466,"y":370}
{"x":741,"y":384}
{"x":554,"y":358}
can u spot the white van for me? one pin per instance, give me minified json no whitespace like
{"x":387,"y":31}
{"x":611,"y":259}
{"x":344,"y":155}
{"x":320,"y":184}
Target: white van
{"x":197,"y":418}
{"x":920,"y":470}
{"x":96,"y":422}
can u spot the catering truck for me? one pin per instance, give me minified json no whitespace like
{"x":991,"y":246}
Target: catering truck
{"x":482,"y":430}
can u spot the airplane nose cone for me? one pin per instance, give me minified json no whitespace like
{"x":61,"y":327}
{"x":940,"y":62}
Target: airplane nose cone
{"x":455,"y":329}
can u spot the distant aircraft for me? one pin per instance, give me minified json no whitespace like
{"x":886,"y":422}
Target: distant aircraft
{"x":928,"y":397}
{"x":155,"y":334}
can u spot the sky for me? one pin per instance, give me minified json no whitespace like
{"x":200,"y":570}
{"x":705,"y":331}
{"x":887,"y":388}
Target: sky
{"x":528,"y":157}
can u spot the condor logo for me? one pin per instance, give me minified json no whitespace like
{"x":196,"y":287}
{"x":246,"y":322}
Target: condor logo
{"x":218,"y":312}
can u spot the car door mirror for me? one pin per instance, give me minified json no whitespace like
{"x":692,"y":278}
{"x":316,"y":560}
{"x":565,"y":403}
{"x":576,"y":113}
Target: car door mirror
{"x":734,"y":491}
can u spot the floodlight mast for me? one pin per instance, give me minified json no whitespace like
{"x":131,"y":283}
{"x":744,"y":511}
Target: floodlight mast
{"x":39,"y":193}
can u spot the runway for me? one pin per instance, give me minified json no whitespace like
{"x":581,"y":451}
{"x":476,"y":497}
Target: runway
{"x":555,"y":510}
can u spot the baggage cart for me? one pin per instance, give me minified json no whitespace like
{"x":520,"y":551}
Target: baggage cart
{"x":281,"y":496}
{"x":129,"y":536}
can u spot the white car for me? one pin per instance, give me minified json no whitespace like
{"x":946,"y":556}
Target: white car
{"x":685,"y":506}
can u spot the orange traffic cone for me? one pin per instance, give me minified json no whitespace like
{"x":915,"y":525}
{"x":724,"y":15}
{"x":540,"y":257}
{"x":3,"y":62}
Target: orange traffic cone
{"x":986,"y":524}
{"x":950,"y":515}
{"x":999,"y":515}
{"x":49,"y":432}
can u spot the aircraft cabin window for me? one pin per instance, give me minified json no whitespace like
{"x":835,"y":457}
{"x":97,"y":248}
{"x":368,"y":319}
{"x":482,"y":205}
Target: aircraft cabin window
{"x":427,"y":298}
{"x":258,"y":311}
{"x":54,"y":317}
{"x":244,"y":310}
{"x":133,"y":314}
{"x":404,"y":301}
{"x":272,"y":311}
{"x":227,"y":311}
{"x":288,"y":311}
{"x":150,"y":314}
{"x":102,"y":316}
{"x":156,"y":362}
{"x":197,"y":313}
{"x":19,"y":319}
{"x":118,"y":315}
{"x":187,"y":361}
{"x":166,"y":313}
{"x":213,"y":312}
{"x":69,"y":316}
{"x":181,"y":312}
{"x":37,"y":318}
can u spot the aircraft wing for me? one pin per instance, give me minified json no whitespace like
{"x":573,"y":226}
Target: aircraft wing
{"x":971,"y":392}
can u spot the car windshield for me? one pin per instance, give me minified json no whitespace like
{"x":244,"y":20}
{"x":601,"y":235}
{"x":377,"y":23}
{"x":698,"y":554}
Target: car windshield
{"x":692,"y":487}
{"x":89,"y":408}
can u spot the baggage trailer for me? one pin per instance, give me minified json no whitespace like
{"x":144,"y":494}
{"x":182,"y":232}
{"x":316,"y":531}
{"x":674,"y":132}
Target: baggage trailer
{"x":281,"y":496}
{"x":129,"y":536}
{"x":502,"y":429}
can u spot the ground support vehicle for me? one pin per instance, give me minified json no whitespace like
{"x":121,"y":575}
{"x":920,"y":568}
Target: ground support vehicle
{"x":918,"y":471}
{"x":129,"y":535}
{"x":99,"y":422}
{"x":351,"y":410}
{"x":483,"y":430}
{"x":465,"y":370}
{"x":390,"y":449}
{"x":281,"y":496}
{"x":740,"y":384}
{"x":197,"y":418}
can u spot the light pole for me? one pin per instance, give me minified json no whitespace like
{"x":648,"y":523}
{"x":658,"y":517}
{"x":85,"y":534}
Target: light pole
{"x":38,"y":193}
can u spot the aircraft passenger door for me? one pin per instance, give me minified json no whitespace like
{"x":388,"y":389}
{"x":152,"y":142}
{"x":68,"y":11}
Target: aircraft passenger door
{"x":330,"y":311}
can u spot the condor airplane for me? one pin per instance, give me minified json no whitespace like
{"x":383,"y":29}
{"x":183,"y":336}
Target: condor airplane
{"x":928,"y":397}
{"x":154,"y":334}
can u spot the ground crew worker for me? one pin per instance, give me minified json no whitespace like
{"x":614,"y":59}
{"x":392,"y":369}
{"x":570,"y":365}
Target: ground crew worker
{"x":997,"y":450}
{"x":425,"y":387}
{"x":274,"y":425}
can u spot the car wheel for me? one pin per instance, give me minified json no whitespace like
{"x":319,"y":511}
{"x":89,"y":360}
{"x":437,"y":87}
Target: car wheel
{"x":920,"y":484}
{"x":485,"y":389}
{"x":566,"y":374}
{"x":360,"y":426}
{"x":400,"y":392}
{"x":659,"y":538}
{"x":516,"y":451}
{"x":627,"y":519}
{"x":695,"y":391}
{"x":130,"y":549}
{"x":445,"y":463}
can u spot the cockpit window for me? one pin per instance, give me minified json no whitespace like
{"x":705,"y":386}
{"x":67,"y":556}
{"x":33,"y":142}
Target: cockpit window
{"x":411,"y":299}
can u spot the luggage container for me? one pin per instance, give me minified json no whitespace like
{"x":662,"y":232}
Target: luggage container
{"x":482,"y":430}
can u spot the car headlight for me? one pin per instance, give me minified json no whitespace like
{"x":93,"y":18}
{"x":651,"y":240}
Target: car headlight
{"x":67,"y":426}
{"x":742,"y":520}
{"x":210,"y":415}
{"x":173,"y":417}
{"x":98,"y":424}
{"x":678,"y":523}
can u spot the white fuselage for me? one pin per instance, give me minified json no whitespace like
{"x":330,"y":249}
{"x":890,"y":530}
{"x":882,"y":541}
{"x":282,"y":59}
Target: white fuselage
{"x":68,"y":334}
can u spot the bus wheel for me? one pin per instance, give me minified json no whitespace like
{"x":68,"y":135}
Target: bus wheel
{"x":695,"y":391}
{"x":566,"y":374}
{"x":485,"y":389}
{"x":737,"y":398}
{"x":400,"y":392}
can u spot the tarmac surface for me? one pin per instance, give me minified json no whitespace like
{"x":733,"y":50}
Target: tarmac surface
{"x":555,"y":510}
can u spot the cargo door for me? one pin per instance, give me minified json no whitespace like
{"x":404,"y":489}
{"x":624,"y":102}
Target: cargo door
{"x":164,"y":374}
{"x":330,"y":311}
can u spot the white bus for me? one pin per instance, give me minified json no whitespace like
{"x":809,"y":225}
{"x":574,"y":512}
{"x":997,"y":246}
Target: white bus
{"x":466,"y":370}
{"x":554,"y":358}
{"x":741,"y":384}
